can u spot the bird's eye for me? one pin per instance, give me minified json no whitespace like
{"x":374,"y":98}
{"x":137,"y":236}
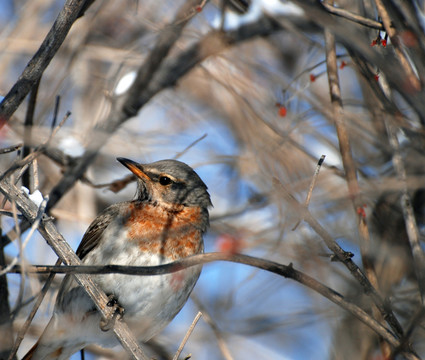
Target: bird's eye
{"x":164,"y":180}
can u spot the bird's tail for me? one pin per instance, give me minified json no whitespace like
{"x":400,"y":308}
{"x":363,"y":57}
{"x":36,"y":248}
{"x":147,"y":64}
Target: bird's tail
{"x":49,"y":346}
{"x":48,"y":351}
{"x":64,"y":336}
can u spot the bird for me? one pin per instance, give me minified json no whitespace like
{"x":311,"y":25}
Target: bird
{"x":165,"y":222}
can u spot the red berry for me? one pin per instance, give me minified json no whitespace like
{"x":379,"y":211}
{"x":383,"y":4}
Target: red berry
{"x":312,"y":78}
{"x":361,"y":212}
{"x":282,"y":111}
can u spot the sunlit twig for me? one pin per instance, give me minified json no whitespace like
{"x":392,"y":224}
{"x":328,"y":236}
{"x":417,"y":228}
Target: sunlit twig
{"x":312,"y":184}
{"x":186,"y":337}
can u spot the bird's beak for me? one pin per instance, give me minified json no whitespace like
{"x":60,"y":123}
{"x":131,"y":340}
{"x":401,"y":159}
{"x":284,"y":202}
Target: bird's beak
{"x":134,"y":167}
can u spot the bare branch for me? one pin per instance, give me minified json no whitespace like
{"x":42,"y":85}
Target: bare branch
{"x":287,"y":271}
{"x":408,"y":213}
{"x":353,"y":17}
{"x":41,"y":59}
{"x":349,"y":164}
{"x":24,"y":328}
{"x":10,"y":148}
{"x":343,"y":257}
{"x":404,"y":61}
{"x":37,"y":151}
{"x":34,"y":226}
{"x":311,"y":187}
{"x":187,"y":335}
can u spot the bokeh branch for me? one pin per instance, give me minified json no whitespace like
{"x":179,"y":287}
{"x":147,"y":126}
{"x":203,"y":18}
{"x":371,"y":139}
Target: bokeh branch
{"x":165,"y":76}
{"x":41,"y":59}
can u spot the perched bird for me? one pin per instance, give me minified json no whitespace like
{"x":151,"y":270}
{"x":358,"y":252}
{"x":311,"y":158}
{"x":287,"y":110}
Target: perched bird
{"x":164,"y":223}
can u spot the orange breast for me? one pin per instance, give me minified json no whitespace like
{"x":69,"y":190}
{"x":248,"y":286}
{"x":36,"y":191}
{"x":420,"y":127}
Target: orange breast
{"x":171,"y":234}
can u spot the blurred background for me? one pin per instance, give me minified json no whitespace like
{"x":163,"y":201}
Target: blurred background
{"x":256,"y":109}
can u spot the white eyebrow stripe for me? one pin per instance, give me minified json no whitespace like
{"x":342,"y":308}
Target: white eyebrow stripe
{"x":160,"y":174}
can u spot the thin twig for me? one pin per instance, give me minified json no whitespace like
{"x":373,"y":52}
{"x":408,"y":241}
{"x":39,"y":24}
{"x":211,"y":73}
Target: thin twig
{"x":312,"y":184}
{"x":408,"y":213}
{"x":391,"y":31}
{"x":415,"y":321}
{"x":20,"y":255}
{"x":350,"y":168}
{"x":24,"y":328}
{"x":114,"y":186}
{"x":314,"y":180}
{"x":186,"y":337}
{"x":181,"y":153}
{"x":192,"y":12}
{"x":28,"y":127}
{"x":36,"y":180}
{"x":10,"y":148}
{"x":55,"y":112}
{"x":225,"y":351}
{"x":34,"y":227}
{"x":37,"y":151}
{"x":10,"y":214}
{"x":353,"y":17}
{"x":338,"y":117}
{"x":7,"y":332}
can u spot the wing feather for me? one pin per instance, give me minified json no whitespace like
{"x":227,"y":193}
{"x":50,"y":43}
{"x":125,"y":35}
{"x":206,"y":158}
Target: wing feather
{"x":91,"y":240}
{"x":95,"y":231}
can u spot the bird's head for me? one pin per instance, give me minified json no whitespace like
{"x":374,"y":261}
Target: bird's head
{"x":169,"y":183}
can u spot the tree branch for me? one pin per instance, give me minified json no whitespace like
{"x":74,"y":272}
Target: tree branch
{"x":353,"y":17}
{"x":343,"y":257}
{"x":286,"y":271}
{"x":41,"y":59}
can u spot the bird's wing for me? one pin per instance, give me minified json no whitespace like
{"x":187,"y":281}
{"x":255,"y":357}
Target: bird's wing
{"x":95,"y":231}
{"x":91,"y":240}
